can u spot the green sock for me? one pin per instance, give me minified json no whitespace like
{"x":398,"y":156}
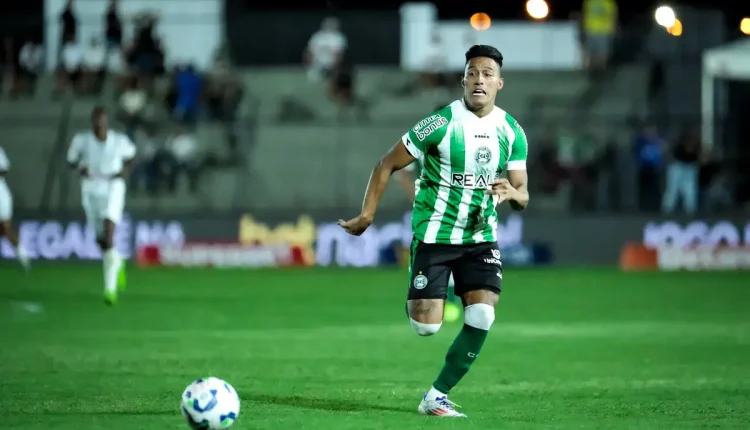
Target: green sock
{"x":460,"y":357}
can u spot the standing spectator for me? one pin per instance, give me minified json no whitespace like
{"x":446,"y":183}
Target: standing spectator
{"x":68,"y":24}
{"x":599,"y":25}
{"x":682,"y":174}
{"x":649,"y":154}
{"x":189,"y":85}
{"x":31,"y":62}
{"x":183,"y":146}
{"x":94,"y":65}
{"x":146,"y":55}
{"x":132,"y":105}
{"x":325,"y":50}
{"x":9,"y":66}
{"x":433,"y":71}
{"x":69,"y":72}
{"x":113,"y":31}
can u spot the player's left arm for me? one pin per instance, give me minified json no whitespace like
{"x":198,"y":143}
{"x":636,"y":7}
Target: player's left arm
{"x":128,"y":155}
{"x":515,"y":189}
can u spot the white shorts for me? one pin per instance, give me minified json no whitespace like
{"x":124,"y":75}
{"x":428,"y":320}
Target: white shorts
{"x":6,"y":202}
{"x":103,"y":203}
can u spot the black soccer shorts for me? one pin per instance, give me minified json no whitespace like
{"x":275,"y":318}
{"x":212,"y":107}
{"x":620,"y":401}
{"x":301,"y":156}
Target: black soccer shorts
{"x":474,"y":267}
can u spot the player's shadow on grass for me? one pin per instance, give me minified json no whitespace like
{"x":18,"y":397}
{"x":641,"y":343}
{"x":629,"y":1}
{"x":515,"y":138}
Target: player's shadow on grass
{"x":321,"y":404}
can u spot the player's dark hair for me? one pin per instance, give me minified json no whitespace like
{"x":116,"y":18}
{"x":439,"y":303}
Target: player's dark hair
{"x":98,"y":110}
{"x":486,"y":51}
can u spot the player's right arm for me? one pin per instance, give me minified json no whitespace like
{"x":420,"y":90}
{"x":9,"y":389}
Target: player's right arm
{"x":394,"y":160}
{"x":412,"y":146}
{"x":75,"y":155}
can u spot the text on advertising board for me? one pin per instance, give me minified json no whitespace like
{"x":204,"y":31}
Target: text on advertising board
{"x":336,"y":246}
{"x":696,"y":233}
{"x":302,"y":234}
{"x":53,"y":240}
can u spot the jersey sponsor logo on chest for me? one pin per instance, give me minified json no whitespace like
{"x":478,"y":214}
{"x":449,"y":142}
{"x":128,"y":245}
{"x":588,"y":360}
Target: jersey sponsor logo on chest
{"x":472,"y":180}
{"x":428,"y":126}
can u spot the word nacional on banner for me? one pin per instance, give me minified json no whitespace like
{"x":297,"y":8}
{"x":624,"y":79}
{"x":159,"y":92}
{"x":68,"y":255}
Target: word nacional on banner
{"x":72,"y":240}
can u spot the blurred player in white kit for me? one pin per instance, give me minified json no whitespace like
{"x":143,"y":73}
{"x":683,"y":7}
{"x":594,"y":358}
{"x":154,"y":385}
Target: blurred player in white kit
{"x":6,"y":212}
{"x":102,"y":157}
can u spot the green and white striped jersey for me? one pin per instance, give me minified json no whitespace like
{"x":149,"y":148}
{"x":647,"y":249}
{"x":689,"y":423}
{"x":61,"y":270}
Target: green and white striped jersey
{"x":461,"y":155}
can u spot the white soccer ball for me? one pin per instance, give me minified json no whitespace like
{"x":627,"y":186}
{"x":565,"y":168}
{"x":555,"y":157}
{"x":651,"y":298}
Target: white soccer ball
{"x":210,"y":404}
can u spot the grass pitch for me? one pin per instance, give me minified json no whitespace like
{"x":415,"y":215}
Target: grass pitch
{"x":331,"y":349}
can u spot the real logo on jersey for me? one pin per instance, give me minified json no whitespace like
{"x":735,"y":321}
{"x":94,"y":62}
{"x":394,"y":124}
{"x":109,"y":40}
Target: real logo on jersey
{"x":483,"y":155}
{"x":472,"y":180}
{"x":420,"y":281}
{"x":428,"y":126}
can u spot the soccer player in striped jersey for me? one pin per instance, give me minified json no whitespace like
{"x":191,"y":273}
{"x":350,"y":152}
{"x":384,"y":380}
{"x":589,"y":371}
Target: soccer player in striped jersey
{"x":452,"y":303}
{"x":466,"y":146}
{"x":6,"y":213}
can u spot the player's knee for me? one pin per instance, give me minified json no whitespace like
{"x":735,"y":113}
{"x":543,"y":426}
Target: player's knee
{"x":424,"y":329}
{"x":479,"y":315}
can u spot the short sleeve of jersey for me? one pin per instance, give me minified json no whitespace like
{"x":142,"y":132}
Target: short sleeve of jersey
{"x":127,"y":147}
{"x":520,"y":147}
{"x":429,"y":131}
{"x":4,"y":162}
{"x":74,"y":151}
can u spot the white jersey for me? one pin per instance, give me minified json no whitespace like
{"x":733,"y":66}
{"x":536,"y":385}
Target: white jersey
{"x":103,"y":160}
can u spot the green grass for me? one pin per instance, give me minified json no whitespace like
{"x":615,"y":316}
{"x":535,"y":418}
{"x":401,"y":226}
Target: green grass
{"x":331,"y":349}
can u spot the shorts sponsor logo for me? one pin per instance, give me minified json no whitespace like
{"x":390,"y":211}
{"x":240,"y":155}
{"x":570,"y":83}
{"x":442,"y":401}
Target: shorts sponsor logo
{"x":420,"y":281}
{"x":495,"y":261}
{"x":496,"y":253}
{"x":483,"y":155}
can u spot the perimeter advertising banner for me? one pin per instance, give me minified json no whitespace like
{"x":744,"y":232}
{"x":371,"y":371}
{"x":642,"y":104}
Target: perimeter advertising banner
{"x":315,"y":238}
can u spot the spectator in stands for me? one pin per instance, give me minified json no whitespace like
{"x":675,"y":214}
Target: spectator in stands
{"x":113,"y":30}
{"x":224,"y":102}
{"x":9,"y":60}
{"x":68,"y":24}
{"x":146,"y":55}
{"x":132,"y":105}
{"x":31,"y":62}
{"x":649,"y":149}
{"x":325,"y":50}
{"x":188,"y":85}
{"x":146,"y":168}
{"x":682,"y":173}
{"x":599,"y":25}
{"x":433,"y":72}
{"x":183,"y":147}
{"x":94,"y":66}
{"x":69,"y":72}
{"x":342,"y":85}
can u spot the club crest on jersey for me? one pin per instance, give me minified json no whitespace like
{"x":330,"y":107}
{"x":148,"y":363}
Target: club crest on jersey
{"x":420,"y":281}
{"x":483,"y":155}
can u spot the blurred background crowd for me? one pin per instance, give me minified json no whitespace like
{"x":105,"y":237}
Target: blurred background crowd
{"x":235,"y":105}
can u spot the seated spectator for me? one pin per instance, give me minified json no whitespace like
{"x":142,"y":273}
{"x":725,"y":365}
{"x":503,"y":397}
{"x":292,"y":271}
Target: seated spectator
{"x":325,"y":50}
{"x":69,"y":72}
{"x":94,"y":66}
{"x":31,"y":61}
{"x":189,"y":85}
{"x":183,"y":147}
{"x":146,"y":165}
{"x":132,"y":105}
{"x":146,"y":54}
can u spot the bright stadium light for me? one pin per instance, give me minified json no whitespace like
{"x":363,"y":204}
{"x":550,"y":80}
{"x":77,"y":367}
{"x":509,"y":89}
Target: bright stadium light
{"x":665,"y":16}
{"x":480,"y":21}
{"x":537,"y":9}
{"x":676,"y":28}
{"x":745,"y":26}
